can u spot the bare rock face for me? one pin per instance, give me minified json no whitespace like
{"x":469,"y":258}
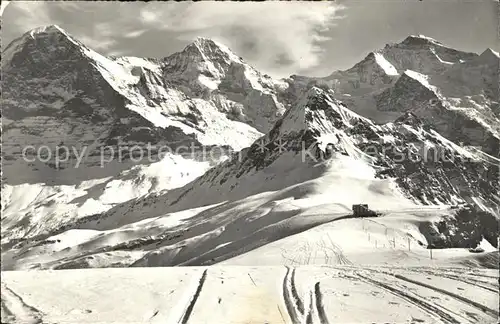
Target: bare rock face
{"x":465,"y":229}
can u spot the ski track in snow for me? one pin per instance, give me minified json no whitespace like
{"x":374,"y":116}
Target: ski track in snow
{"x":192,"y":299}
{"x":433,"y":310}
{"x":190,"y":307}
{"x":321,"y":247}
{"x":319,"y":304}
{"x":469,"y":281}
{"x":13,"y":306}
{"x":293,"y":304}
{"x":342,"y":259}
{"x":446,"y":314}
{"x":295,"y":295}
{"x":308,"y":313}
{"x":485,"y":309}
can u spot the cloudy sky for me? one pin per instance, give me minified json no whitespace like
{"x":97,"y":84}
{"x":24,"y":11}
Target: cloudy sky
{"x":279,"y":38}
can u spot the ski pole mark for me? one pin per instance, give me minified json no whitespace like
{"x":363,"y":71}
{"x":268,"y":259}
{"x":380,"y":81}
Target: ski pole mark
{"x":282,"y":317}
{"x":252,"y":280}
{"x":154,"y":314}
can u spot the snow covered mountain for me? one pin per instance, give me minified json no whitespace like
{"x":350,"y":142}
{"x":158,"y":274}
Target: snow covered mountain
{"x":455,"y":92}
{"x":84,"y":121}
{"x":332,"y":158}
{"x":427,"y":167}
{"x":399,"y":131}
{"x":57,"y":91}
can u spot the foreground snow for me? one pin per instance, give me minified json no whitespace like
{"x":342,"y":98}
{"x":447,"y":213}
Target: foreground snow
{"x":275,"y":294}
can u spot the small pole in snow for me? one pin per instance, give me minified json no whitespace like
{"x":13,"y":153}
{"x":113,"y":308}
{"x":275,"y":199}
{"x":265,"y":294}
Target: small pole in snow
{"x":409,"y":249}
{"x":252,"y":279}
{"x":430,"y":250}
{"x":281,"y":314}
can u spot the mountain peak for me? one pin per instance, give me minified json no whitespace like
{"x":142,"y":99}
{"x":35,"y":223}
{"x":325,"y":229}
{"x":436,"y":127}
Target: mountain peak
{"x":51,"y":32}
{"x":43,"y":38}
{"x":490,"y":53}
{"x":49,"y":29}
{"x":489,"y":58}
{"x":210,"y":49}
{"x":203,"y":41}
{"x":317,"y":110}
{"x":416,"y":40}
{"x":207,"y":62}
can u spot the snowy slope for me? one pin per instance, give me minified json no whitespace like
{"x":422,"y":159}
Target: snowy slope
{"x":306,"y":294}
{"x":32,"y":209}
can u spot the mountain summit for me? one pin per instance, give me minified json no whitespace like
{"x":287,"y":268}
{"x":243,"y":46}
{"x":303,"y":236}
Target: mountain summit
{"x":44,"y":41}
{"x":419,"y":40}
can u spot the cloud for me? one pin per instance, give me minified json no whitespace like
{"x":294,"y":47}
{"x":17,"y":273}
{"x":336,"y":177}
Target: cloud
{"x":286,"y":32}
{"x":89,"y":22}
{"x":96,"y":44}
{"x":29,"y":14}
{"x":279,"y":38}
{"x":150,"y":17}
{"x":135,"y":33}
